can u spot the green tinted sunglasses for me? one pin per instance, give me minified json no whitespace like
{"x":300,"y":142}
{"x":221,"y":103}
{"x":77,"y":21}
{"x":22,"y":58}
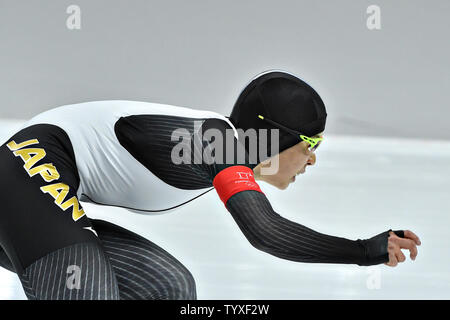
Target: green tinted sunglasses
{"x":313,"y":142}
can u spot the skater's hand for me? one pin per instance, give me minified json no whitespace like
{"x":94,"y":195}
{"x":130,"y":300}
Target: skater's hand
{"x":409,"y":241}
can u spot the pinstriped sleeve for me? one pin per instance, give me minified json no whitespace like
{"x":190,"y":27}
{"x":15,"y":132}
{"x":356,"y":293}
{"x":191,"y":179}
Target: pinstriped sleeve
{"x":266,"y":230}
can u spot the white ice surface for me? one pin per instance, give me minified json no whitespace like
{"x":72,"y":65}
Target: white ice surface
{"x":359,"y":187}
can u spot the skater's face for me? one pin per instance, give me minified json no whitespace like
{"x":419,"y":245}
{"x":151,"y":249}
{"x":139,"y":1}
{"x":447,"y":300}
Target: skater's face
{"x":292,"y":162}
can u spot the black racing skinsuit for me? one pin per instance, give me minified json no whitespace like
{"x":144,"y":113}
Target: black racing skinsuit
{"x":58,"y":258}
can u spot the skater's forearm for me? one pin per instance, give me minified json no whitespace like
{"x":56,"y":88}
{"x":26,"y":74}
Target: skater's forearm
{"x":268,"y":231}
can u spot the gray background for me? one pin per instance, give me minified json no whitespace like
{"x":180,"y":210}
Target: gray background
{"x":389,"y":82}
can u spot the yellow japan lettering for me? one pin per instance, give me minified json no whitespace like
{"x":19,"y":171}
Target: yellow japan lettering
{"x":47,"y":171}
{"x":14,"y":146}
{"x":25,"y":154}
{"x":76,"y":212}
{"x":53,"y":190}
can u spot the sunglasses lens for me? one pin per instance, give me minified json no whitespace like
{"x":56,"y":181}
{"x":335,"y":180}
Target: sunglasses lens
{"x":315,"y":147}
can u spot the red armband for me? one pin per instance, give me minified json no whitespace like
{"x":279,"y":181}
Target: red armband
{"x":233,"y":180}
